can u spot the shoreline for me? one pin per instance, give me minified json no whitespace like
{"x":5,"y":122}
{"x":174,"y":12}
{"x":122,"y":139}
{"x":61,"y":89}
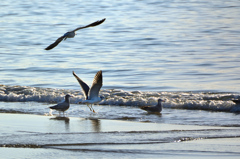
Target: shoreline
{"x":31,"y":135}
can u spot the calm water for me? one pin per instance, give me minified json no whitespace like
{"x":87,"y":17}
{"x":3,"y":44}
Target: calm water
{"x":146,"y":50}
{"x":143,"y":45}
{"x":186,"y":52}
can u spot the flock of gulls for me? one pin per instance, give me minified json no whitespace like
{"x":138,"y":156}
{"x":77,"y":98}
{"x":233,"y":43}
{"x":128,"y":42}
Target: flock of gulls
{"x":91,"y":94}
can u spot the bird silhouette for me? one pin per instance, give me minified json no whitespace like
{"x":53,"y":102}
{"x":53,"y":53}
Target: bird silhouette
{"x":154,"y":109}
{"x":72,"y":33}
{"x":63,"y":106}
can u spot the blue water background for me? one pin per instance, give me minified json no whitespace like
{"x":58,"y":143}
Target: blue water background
{"x":154,"y":45}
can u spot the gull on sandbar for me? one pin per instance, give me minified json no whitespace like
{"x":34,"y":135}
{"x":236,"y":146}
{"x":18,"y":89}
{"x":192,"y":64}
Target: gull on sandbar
{"x":63,"y":106}
{"x":154,"y":109}
{"x":91,"y":95}
{"x":72,"y":33}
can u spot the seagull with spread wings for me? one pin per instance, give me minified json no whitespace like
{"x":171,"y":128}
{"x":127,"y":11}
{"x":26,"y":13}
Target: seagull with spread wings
{"x":91,"y":95}
{"x":71,"y":34}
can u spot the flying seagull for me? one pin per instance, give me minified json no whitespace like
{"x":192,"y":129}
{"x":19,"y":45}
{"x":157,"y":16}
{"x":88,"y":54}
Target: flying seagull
{"x":154,"y":109}
{"x":91,"y":95}
{"x":63,"y":106}
{"x":71,"y":34}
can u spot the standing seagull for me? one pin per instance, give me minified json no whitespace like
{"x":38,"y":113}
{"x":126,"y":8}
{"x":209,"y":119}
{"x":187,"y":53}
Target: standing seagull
{"x":63,"y":106}
{"x":154,"y":109}
{"x":71,"y":34}
{"x":92,"y":95}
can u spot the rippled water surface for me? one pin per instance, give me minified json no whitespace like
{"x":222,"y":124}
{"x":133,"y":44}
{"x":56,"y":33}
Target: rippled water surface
{"x":143,"y":45}
{"x":183,"y":51}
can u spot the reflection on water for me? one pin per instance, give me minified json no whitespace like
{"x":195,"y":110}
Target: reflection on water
{"x":96,"y":125}
{"x":154,"y":113}
{"x":64,"y":119}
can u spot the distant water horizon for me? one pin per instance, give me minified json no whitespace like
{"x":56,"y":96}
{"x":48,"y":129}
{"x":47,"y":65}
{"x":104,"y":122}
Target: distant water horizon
{"x":142,"y":45}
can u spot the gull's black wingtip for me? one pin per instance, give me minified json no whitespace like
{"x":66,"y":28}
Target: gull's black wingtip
{"x":101,"y":21}
{"x":236,"y":101}
{"x":73,"y":73}
{"x":49,"y":47}
{"x":52,"y":107}
{"x":144,"y":107}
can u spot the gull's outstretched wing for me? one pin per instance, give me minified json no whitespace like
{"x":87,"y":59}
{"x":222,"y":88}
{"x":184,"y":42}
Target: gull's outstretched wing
{"x":55,"y":43}
{"x":91,"y":25}
{"x":96,"y":85}
{"x":84,"y":86}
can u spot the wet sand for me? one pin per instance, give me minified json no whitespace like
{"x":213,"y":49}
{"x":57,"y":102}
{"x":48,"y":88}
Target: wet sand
{"x":36,"y":136}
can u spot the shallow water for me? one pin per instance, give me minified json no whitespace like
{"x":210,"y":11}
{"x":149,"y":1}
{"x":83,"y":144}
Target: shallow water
{"x":91,"y":138}
{"x":186,"y":52}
